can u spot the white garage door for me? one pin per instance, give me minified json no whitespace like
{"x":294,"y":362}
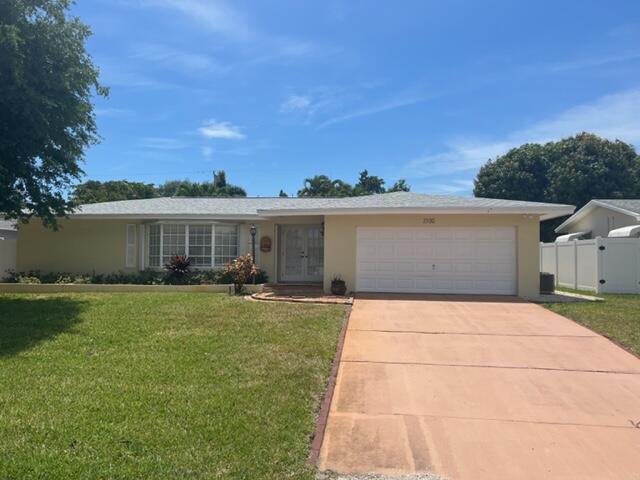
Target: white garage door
{"x":437,"y":260}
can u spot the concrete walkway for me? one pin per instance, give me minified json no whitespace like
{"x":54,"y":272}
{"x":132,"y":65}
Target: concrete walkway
{"x":481,"y":388}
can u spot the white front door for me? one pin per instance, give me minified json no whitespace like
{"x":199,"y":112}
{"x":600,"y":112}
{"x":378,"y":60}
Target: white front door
{"x":301,"y":253}
{"x":437,"y":260}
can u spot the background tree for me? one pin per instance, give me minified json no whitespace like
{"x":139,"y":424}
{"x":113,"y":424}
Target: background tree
{"x":94,"y":191}
{"x":400,"y":186}
{"x":46,"y":117}
{"x":571,"y":171}
{"x":368,"y":184}
{"x":186,"y":188}
{"x":282,"y":193}
{"x":323,"y":186}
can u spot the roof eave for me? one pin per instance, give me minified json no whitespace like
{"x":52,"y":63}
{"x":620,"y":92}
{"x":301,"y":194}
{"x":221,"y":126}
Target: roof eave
{"x":591,"y":205}
{"x":172,"y":216}
{"x":545,"y":213}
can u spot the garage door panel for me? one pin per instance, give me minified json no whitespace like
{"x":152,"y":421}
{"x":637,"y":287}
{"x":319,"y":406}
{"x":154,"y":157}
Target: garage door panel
{"x":437,"y":260}
{"x":405,"y":250}
{"x":463,"y":251}
{"x":405,"y":267}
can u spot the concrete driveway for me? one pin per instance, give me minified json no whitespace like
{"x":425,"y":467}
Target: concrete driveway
{"x":481,"y":388}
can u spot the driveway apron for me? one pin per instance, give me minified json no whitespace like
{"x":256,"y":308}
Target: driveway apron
{"x":475,"y":388}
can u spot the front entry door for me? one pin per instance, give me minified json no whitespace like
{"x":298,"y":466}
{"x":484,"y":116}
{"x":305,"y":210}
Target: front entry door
{"x":301,"y":253}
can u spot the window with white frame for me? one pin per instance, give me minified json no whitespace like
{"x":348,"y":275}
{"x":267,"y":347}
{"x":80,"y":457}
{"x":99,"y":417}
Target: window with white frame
{"x":174,"y":241}
{"x":155,"y":232}
{"x":200,"y":245}
{"x":206,"y":245}
{"x":226,"y":244}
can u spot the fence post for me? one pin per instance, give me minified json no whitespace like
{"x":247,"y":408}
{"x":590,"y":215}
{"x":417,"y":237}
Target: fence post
{"x":575,"y":264}
{"x":541,"y":254}
{"x":598,"y":264}
{"x":556,"y":273}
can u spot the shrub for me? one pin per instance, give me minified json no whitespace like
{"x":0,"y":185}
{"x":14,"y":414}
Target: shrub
{"x":178,"y":270}
{"x":241,"y":270}
{"x":145,"y":277}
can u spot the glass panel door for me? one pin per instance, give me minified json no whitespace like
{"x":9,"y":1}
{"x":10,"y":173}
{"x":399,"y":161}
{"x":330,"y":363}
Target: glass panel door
{"x":293,"y":243}
{"x":302,"y":253}
{"x":314,"y":254}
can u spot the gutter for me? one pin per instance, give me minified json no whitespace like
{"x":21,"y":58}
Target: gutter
{"x":545,"y":213}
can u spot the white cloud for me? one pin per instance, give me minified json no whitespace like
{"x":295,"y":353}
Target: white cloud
{"x":174,"y":58}
{"x":216,"y":16}
{"x":296,"y":103}
{"x":162,"y":143}
{"x":232,"y":25}
{"x":314,"y":101}
{"x":214,"y":129}
{"x":379,"y":108}
{"x":612,"y":116}
{"x":591,"y":62}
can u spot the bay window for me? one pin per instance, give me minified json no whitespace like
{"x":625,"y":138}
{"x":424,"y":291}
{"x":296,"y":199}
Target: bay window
{"x":208,"y":246}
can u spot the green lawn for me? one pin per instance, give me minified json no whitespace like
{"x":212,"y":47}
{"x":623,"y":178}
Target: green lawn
{"x":617,"y":318}
{"x":116,"y":386}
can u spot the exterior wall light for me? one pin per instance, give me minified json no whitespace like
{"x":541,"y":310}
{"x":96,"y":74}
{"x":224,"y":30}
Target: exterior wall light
{"x":253,"y":230}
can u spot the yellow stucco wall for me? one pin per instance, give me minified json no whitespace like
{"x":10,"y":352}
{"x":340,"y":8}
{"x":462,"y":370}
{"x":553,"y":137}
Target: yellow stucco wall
{"x":340,"y":242}
{"x":86,"y":246}
{"x":79,"y":246}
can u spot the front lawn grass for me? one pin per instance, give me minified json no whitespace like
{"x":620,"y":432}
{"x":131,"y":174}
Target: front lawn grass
{"x":617,"y":317}
{"x":160,"y":385}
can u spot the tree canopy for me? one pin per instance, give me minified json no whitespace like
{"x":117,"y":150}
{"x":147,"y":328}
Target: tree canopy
{"x":94,"y":191}
{"x":573,"y":171}
{"x":47,"y":80}
{"x":324,"y":186}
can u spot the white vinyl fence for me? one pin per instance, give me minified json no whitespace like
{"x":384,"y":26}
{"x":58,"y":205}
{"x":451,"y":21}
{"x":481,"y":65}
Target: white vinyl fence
{"x":608,"y":265}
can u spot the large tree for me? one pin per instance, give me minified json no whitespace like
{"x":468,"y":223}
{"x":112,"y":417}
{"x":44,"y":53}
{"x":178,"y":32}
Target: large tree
{"x":571,"y":171}
{"x":47,"y":80}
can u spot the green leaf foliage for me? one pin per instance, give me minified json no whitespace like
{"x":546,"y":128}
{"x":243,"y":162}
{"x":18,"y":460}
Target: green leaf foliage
{"x":572,"y":171}
{"x":47,"y":80}
{"x":324,"y":186}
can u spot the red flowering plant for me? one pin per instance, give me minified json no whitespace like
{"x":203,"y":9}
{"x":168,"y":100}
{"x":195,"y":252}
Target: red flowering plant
{"x":178,"y":270}
{"x":240,"y":270}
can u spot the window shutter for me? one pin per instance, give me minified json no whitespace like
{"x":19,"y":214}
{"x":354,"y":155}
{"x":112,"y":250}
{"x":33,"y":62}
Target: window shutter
{"x":131,"y":246}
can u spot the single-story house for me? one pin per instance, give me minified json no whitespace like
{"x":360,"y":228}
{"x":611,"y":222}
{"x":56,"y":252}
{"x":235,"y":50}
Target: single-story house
{"x":393,"y":242}
{"x":7,"y":246}
{"x":598,"y":218}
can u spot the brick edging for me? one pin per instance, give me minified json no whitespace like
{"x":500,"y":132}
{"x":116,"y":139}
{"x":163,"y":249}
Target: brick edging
{"x":325,"y":405}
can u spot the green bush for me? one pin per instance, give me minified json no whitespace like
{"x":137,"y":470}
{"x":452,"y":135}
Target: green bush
{"x":145,"y":277}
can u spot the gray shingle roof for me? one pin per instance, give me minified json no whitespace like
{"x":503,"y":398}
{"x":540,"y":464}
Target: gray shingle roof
{"x":7,"y":224}
{"x":256,"y":206}
{"x":632,"y":205}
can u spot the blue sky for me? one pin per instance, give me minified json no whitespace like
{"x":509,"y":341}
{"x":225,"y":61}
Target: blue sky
{"x":276,"y":91}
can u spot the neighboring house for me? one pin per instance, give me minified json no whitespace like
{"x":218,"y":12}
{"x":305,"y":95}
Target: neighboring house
{"x":599,"y":217}
{"x":7,"y":246}
{"x":394,"y":242}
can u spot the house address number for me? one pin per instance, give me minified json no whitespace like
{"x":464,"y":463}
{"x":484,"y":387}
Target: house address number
{"x":429,"y":220}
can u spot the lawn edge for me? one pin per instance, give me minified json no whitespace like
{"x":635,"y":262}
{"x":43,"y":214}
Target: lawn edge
{"x":327,"y":396}
{"x":607,"y":337}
